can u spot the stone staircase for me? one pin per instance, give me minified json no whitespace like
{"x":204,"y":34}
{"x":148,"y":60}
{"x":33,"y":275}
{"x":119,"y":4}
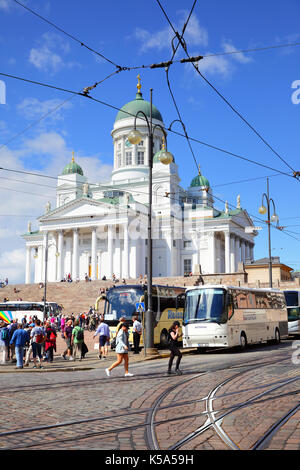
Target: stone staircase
{"x":77,"y":297}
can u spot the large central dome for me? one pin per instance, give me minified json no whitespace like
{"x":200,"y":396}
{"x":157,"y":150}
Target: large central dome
{"x":139,"y":104}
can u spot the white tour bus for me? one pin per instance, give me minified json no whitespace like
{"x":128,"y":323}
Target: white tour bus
{"x":17,"y":310}
{"x":225,"y":316}
{"x":292,"y":298}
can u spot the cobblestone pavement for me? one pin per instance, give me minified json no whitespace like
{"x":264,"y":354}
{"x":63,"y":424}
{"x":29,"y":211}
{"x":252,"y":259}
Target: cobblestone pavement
{"x":77,"y":406}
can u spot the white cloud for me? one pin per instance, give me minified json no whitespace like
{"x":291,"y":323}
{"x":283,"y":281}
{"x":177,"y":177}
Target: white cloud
{"x":194,"y":34}
{"x":5,"y":5}
{"x":49,"y":54}
{"x":238,"y":56}
{"x":32,"y":108}
{"x":216,"y":65}
{"x":13,"y":265}
{"x":24,"y":200}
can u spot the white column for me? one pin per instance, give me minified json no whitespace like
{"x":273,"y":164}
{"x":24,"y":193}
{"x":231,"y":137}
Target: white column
{"x":251,"y":251}
{"x":212,"y":252}
{"x":232,"y":255}
{"x":28,"y":264}
{"x":94,"y":254}
{"x":110,"y":251}
{"x":125,"y":268}
{"x":227,"y":252}
{"x":75,"y":255}
{"x":60,"y":248}
{"x":243,"y":251}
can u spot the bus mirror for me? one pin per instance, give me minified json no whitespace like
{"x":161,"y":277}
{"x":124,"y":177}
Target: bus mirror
{"x":180,"y":301}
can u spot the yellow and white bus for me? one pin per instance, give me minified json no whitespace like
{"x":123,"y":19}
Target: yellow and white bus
{"x":121,"y":301}
{"x":225,"y":316}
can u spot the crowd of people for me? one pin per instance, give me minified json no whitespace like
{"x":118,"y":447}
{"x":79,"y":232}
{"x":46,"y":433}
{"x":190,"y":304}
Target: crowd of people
{"x":33,"y":338}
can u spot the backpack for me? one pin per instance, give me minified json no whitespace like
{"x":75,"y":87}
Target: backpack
{"x":52,"y":337}
{"x":39,"y":339}
{"x":4,"y":334}
{"x":79,"y":334}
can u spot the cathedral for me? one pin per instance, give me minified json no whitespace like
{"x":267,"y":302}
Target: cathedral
{"x":100,"y":230}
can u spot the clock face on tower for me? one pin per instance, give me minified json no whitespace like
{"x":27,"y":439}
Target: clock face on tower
{"x":127,"y":143}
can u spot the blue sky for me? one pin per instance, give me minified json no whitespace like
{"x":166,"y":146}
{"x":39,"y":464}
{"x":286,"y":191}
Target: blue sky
{"x":136,"y":33}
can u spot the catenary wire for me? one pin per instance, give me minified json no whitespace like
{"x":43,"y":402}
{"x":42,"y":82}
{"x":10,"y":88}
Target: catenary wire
{"x":170,"y":130}
{"x":222,"y":96}
{"x":67,"y":34}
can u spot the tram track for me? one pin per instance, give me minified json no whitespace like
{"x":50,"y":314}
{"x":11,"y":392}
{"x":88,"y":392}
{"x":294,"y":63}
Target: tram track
{"x":149,"y":422}
{"x":215,"y":422}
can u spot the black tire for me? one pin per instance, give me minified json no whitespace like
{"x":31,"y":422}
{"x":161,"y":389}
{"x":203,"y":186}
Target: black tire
{"x":277,"y":338}
{"x":164,"y":341}
{"x":243,"y":342}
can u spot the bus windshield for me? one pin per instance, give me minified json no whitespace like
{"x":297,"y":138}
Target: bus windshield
{"x":122,"y":302}
{"x":291,"y":298}
{"x":293,"y":313}
{"x":205,"y":305}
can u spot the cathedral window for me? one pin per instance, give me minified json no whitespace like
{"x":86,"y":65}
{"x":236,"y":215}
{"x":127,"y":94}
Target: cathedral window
{"x":187,"y":266}
{"x":140,"y":158}
{"x":141,"y":144}
{"x":119,"y":160}
{"x":128,"y":156}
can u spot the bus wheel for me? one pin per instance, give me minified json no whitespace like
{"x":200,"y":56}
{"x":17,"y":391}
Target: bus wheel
{"x":164,"y":339}
{"x":243,"y":342}
{"x":277,"y":336}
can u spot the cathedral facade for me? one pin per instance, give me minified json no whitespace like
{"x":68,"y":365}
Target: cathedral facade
{"x":99,"y":230}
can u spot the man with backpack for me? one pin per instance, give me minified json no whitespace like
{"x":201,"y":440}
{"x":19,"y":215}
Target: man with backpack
{"x":77,"y":340}
{"x":37,"y":339}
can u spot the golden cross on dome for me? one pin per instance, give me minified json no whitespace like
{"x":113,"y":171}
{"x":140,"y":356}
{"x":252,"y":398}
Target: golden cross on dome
{"x":139,"y":86}
{"x":199,"y":170}
{"x":73,"y":159}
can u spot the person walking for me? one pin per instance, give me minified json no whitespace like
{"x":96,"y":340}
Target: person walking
{"x":173,"y":346}
{"x":68,"y":328}
{"x":4,"y":342}
{"x":19,"y":338}
{"x":104,"y":336}
{"x":77,"y":340}
{"x":136,"y":332}
{"x":37,"y":339}
{"x":50,"y":341}
{"x":122,"y":348}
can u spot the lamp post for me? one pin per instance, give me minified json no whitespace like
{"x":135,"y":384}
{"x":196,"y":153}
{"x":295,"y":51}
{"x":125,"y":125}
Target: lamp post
{"x":166,"y":158}
{"x":274,"y":218}
{"x":46,"y":270}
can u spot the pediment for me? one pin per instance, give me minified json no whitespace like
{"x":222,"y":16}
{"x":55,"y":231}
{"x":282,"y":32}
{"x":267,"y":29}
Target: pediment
{"x":83,"y":207}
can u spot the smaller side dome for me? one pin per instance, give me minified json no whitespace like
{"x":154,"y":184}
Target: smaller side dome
{"x":200,"y":180}
{"x":72,"y":168}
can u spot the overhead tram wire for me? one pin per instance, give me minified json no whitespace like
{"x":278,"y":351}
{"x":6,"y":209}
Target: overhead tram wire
{"x":68,"y":34}
{"x":223,"y":97}
{"x":86,"y":95}
{"x":169,"y":85}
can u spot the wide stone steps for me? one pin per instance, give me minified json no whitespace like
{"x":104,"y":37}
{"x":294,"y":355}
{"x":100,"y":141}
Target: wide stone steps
{"x":78,"y":297}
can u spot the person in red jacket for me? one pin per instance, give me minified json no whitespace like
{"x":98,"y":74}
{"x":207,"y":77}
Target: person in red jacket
{"x":50,"y":342}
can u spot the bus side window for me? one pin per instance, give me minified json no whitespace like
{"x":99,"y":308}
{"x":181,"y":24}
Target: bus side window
{"x":230,"y":303}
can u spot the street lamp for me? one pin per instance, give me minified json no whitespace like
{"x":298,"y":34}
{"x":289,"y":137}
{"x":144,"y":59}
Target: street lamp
{"x":166,"y":158}
{"x":46,"y":270}
{"x":274,"y":218}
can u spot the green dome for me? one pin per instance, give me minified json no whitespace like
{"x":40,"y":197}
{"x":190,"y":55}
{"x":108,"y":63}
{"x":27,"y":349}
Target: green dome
{"x":139,"y":104}
{"x":72,"y":168}
{"x":199,"y":180}
{"x":156,"y":158}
